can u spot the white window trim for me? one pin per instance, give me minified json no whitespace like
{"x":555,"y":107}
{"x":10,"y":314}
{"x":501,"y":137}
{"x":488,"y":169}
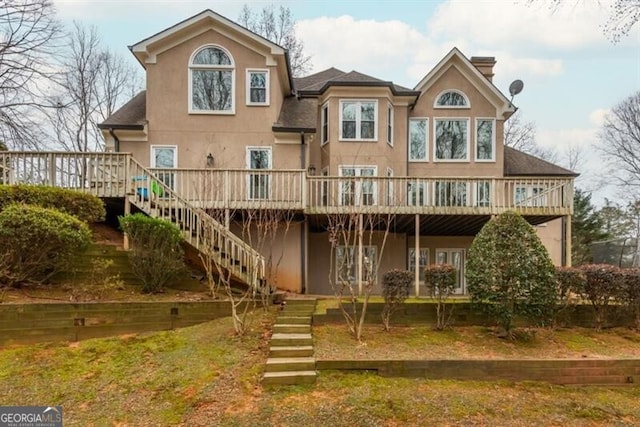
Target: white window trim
{"x":191,"y":67}
{"x":463,"y":268}
{"x":493,"y":140}
{"x":390,"y":128}
{"x":152,"y":159}
{"x":248,"y":87}
{"x":476,"y":200}
{"x":419,"y":183}
{"x":435,"y":151}
{"x":445,"y":181}
{"x":358,"y":121}
{"x":411,"y":259}
{"x":358,"y":190}
{"x":529,"y":201}
{"x":454,"y":107}
{"x":355,"y":263}
{"x":426,"y":142}
{"x":248,"y":150}
{"x":324,"y":139}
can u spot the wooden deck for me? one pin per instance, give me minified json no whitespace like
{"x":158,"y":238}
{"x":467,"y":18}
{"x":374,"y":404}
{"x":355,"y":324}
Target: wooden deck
{"x":112,"y":175}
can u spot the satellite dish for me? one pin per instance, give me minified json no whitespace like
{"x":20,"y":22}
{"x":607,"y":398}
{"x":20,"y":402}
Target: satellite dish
{"x":515,"y":87}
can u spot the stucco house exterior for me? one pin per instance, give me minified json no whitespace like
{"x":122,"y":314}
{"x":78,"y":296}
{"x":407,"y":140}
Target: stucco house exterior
{"x":225,"y":125}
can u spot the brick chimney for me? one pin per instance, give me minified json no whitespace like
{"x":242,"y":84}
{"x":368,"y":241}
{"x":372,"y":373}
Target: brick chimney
{"x":484,"y":64}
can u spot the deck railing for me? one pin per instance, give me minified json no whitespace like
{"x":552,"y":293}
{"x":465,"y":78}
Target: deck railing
{"x":108,"y":175}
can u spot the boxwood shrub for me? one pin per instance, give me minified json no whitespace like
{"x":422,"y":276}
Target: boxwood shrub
{"x":37,"y":242}
{"x":83,"y":206}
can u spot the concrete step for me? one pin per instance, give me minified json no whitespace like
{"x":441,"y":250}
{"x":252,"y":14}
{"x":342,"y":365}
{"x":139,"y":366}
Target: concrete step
{"x":285,"y":328}
{"x":293,"y":320}
{"x":291,"y":351}
{"x":295,"y":311}
{"x":278,"y":339}
{"x":287,"y":378}
{"x":303,"y":302}
{"x":282,"y":364}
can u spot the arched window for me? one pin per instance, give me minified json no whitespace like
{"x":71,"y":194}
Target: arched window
{"x":452,"y":99}
{"x":212,"y":75}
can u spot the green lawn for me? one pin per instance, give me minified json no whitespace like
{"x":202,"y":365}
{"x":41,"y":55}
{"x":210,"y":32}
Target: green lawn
{"x":204,"y":376}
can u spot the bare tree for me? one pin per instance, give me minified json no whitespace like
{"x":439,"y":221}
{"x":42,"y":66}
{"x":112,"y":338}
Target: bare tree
{"x":521,"y":135}
{"x":278,"y":25}
{"x":619,"y":141}
{"x":354,"y":265}
{"x":28,"y":32}
{"x":622,"y":14}
{"x":93,"y":83}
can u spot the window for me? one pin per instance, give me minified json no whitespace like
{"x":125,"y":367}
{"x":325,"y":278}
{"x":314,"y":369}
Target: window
{"x":530,"y":195}
{"x":325,"y":187}
{"x":418,"y":140}
{"x":423,"y":261}
{"x":417,"y":193}
{"x":454,"y":257}
{"x":347,"y":264}
{"x":390,"y":125}
{"x":452,"y":99}
{"x":211,"y":74}
{"x":259,"y":161}
{"x":324,"y":118}
{"x":165,"y":157}
{"x":485,"y":142}
{"x":358,"y":120}
{"x":257,"y":87}
{"x":483,"y":194}
{"x":451,"y":139}
{"x":449,"y":193}
{"x":356,"y":190}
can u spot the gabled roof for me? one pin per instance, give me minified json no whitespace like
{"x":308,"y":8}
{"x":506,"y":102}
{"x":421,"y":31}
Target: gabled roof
{"x":297,"y":115}
{"x":318,"y":83}
{"x":517,"y":163}
{"x":485,"y":84}
{"x":131,"y":115}
{"x":146,"y":50}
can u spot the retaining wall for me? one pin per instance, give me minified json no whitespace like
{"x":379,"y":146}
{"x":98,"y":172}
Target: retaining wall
{"x":561,"y":371}
{"x":31,"y":323}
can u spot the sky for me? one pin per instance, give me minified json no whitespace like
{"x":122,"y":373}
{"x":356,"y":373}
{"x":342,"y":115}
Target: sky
{"x":573,"y":75}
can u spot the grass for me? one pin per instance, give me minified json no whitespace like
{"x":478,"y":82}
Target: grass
{"x":203,"y":375}
{"x":333,"y":341}
{"x":331,"y":302}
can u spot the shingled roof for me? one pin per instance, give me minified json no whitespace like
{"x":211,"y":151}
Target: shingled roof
{"x":517,"y":163}
{"x":132,"y":115}
{"x":316,"y":84}
{"x":297,"y":115}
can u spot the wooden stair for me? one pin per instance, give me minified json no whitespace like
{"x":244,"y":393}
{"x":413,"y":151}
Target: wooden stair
{"x":291,"y":359}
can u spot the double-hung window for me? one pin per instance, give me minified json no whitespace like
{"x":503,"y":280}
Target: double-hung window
{"x":358,"y":120}
{"x":257,"y":87}
{"x":485,"y":140}
{"x":211,"y":80}
{"x":347,"y":264}
{"x":418,"y":140}
{"x":530,"y":195}
{"x":423,"y":261}
{"x":324,"y":130}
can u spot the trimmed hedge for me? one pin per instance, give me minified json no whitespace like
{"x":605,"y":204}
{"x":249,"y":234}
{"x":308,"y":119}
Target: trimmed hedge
{"x":396,"y":285}
{"x":83,"y":206}
{"x":37,"y":242}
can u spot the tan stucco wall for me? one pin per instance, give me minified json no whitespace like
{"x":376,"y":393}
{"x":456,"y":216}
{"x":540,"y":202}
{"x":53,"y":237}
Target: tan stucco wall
{"x":550,"y":234}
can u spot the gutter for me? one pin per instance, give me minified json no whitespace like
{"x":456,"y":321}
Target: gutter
{"x":116,"y":139}
{"x":303,"y":246}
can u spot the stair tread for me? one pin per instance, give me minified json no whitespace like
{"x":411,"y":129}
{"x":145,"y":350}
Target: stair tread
{"x":290,"y":347}
{"x":284,"y":335}
{"x":286,"y":360}
{"x":279,"y":374}
{"x":291,"y":325}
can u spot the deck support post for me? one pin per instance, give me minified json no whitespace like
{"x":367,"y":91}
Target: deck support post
{"x":360,"y":255}
{"x":567,"y":240}
{"x":416,"y":255}
{"x":127,"y":211}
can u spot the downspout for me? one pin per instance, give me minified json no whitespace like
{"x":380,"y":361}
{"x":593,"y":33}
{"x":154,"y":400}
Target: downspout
{"x":303,"y":246}
{"x":116,"y":145}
